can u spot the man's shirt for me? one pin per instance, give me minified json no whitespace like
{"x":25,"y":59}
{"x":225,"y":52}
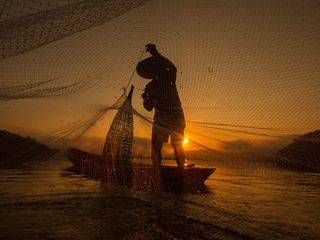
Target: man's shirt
{"x":161,"y":93}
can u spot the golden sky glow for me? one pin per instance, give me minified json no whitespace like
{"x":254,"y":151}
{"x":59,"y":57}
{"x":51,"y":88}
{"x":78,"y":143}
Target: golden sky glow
{"x":252,"y":63}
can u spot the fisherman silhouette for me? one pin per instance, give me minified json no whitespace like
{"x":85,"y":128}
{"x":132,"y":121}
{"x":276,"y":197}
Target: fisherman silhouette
{"x":162,"y":95}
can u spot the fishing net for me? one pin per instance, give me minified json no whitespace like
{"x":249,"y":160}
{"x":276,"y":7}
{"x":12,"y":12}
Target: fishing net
{"x":246,"y":77}
{"x":33,"y":24}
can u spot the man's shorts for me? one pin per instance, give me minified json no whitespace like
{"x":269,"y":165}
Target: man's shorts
{"x":161,"y":133}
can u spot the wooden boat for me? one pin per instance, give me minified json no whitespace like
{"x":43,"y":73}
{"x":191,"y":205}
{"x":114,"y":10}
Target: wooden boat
{"x":190,"y":179}
{"x":116,"y":167}
{"x":140,"y":175}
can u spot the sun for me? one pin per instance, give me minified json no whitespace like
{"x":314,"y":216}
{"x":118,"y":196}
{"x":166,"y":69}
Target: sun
{"x":185,"y":140}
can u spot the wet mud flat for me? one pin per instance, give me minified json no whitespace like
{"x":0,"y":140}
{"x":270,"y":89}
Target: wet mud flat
{"x":101,"y":217}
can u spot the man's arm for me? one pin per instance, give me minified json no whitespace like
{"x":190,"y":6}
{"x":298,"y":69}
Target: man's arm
{"x":148,"y":99}
{"x":163,"y":63}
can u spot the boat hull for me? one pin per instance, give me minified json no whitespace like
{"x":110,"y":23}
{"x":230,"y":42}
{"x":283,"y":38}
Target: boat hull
{"x":140,"y":175}
{"x":190,"y":179}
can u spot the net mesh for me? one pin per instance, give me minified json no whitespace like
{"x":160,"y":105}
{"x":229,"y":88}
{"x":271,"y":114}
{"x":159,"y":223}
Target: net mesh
{"x":33,"y":28}
{"x":246,"y":76}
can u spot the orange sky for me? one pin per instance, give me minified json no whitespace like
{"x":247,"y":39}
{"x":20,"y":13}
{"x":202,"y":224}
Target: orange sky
{"x":239,"y":62}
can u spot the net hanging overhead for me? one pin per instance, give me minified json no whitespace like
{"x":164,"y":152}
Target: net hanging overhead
{"x":30,"y":31}
{"x":47,"y":88}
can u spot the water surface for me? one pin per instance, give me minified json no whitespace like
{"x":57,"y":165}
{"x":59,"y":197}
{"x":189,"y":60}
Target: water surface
{"x":48,"y":200}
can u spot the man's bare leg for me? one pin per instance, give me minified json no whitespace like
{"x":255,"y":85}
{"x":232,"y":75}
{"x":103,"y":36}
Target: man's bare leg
{"x":179,"y":153}
{"x":156,"y":161}
{"x":180,"y":158}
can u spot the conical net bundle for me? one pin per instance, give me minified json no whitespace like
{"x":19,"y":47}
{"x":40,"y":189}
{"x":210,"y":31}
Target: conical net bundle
{"x":118,"y":145}
{"x":117,"y":166}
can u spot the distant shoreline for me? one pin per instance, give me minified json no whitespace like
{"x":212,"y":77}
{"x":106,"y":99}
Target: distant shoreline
{"x":16,"y":151}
